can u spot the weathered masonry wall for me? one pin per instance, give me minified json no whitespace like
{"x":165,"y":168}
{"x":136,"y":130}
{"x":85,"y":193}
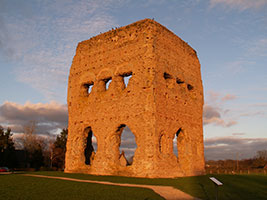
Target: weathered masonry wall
{"x":164,"y":97}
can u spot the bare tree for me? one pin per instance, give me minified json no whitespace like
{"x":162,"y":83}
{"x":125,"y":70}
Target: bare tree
{"x":33,"y":145}
{"x":262,"y":155}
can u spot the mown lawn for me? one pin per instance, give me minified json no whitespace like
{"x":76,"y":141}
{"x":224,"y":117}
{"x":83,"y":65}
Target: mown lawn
{"x":18,"y":187}
{"x":235,"y":187}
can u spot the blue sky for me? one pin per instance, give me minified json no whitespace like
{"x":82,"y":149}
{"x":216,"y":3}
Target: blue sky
{"x":38,"y":41}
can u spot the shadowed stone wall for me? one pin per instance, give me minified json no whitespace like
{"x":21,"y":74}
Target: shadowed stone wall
{"x":164,"y":97}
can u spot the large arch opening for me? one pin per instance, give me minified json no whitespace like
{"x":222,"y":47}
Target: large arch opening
{"x":90,"y":145}
{"x":127,"y":145}
{"x":175,"y":139}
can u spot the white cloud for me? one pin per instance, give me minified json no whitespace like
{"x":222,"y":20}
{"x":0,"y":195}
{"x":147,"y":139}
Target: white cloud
{"x":44,"y":43}
{"x":48,"y":117}
{"x":240,"y":4}
{"x":216,"y":111}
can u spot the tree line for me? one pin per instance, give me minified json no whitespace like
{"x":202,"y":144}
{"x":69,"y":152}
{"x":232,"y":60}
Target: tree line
{"x":34,"y":151}
{"x":256,"y":164}
{"x":31,"y":150}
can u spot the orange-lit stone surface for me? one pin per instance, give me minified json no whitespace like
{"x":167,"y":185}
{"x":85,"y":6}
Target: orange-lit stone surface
{"x":164,"y":97}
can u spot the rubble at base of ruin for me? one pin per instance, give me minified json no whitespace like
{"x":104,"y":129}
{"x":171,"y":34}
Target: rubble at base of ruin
{"x":163,"y":98}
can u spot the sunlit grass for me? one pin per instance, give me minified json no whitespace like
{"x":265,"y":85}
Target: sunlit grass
{"x":19,"y":187}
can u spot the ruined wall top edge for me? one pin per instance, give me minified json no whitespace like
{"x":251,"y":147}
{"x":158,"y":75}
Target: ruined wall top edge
{"x":142,"y":25}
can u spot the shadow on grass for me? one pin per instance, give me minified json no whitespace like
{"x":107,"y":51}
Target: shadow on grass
{"x":234,"y":186}
{"x":205,"y":192}
{"x":19,"y":187}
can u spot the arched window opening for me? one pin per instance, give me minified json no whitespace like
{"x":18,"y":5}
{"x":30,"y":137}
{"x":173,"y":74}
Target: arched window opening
{"x":88,"y":87}
{"x":126,"y":78}
{"x":178,"y":132}
{"x":127,"y":145}
{"x":175,"y":147}
{"x":90,"y":146}
{"x":107,"y":82}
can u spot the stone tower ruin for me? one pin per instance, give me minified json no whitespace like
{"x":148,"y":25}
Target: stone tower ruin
{"x":164,"y":98}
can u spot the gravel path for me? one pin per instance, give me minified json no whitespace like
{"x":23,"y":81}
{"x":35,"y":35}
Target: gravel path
{"x":167,"y":192}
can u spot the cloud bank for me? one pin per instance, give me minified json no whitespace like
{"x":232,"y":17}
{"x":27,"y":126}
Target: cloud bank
{"x":48,"y":117}
{"x":52,"y":116}
{"x":233,"y":147}
{"x":219,"y":148}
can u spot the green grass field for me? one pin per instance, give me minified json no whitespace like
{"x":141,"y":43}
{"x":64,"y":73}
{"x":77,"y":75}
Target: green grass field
{"x":18,"y":187}
{"x":235,"y":187}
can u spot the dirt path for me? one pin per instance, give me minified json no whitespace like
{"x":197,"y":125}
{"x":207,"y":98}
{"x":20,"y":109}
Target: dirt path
{"x":167,"y":192}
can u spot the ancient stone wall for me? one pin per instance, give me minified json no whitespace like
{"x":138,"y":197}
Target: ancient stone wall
{"x":164,"y":97}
